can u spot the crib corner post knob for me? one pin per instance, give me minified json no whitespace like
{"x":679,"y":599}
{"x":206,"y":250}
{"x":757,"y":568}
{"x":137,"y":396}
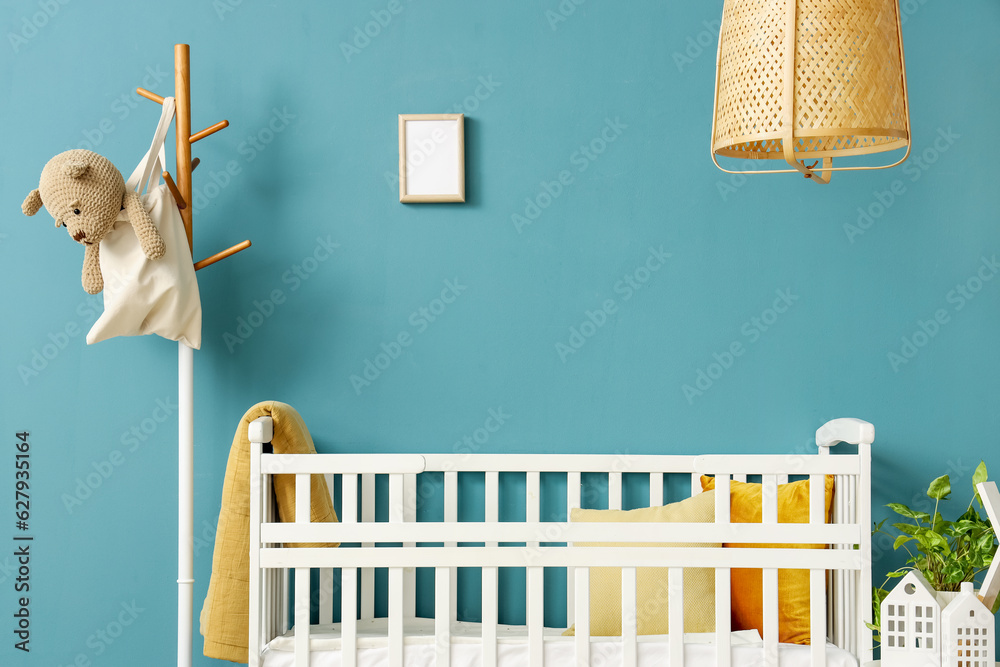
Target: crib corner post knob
{"x":261,"y":430}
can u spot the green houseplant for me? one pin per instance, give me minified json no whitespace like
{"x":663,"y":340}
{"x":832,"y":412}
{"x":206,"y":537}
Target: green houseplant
{"x":945,"y":552}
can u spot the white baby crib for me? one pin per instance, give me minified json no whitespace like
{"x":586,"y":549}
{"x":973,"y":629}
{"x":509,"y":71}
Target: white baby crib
{"x":840,"y":576}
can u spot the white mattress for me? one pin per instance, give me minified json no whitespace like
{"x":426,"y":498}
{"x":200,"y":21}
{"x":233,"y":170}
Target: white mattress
{"x":512,"y":649}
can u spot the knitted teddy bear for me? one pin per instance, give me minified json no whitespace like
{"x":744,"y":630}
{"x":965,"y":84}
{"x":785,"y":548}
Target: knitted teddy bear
{"x":84,"y":192}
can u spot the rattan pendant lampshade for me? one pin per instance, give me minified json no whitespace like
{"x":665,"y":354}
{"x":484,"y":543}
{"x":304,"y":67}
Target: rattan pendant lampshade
{"x":809,"y":80}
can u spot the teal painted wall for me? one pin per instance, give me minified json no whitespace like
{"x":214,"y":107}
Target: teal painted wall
{"x":312,"y":142}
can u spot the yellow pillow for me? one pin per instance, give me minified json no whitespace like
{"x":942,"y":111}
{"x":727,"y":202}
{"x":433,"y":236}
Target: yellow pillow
{"x":793,"y":585}
{"x":651,"y":582}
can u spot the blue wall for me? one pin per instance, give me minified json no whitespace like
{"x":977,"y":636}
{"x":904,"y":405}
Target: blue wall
{"x":545,"y":90}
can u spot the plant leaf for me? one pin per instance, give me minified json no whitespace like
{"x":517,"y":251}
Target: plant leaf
{"x":900,"y":541}
{"x":980,"y":475}
{"x":903,"y":510}
{"x":940,"y":488}
{"x":907,"y":528}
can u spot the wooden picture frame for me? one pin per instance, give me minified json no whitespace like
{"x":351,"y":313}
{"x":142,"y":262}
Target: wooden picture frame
{"x":431,"y":158}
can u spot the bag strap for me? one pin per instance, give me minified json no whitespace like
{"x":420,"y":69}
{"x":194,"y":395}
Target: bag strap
{"x":151,"y":165}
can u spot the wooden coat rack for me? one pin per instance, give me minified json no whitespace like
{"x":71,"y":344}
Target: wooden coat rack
{"x":181,"y":190}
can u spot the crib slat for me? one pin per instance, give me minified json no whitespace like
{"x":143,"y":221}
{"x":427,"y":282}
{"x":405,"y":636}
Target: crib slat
{"x":536,"y":615}
{"x":349,"y":616}
{"x":326,"y":595}
{"x":861,"y":496}
{"x":368,"y":573}
{"x":572,"y":500}
{"x":695,"y":483}
{"x":722,"y":499}
{"x":442,"y":616}
{"x":861,"y":580}
{"x":675,"y":601}
{"x":450,"y":496}
{"x":410,"y":573}
{"x":782,"y":478}
{"x":492,"y":499}
{"x":655,"y":489}
{"x":629,"y":621}
{"x":489,"y":575}
{"x":573,"y":480}
{"x":769,"y":516}
{"x":281,"y":580}
{"x":817,"y":591}
{"x":817,"y":611}
{"x":817,"y":499}
{"x":614,"y":490}
{"x":303,"y":498}
{"x":395,"y":499}
{"x":349,"y":499}
{"x":326,"y":574}
{"x":269,"y":622}
{"x":740,"y":477}
{"x":301,"y":614}
{"x":770,"y":584}
{"x":489,"y":612}
{"x":769,"y":499}
{"x":723,"y":601}
{"x":349,"y":514}
{"x":535,"y":576}
{"x":581,"y":586}
{"x":397,"y":580}
{"x":533,"y":497}
{"x":395,"y":616}
{"x":451,"y":516}
{"x":835,"y":606}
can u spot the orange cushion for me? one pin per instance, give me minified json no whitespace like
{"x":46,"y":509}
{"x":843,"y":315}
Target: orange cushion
{"x":793,"y":585}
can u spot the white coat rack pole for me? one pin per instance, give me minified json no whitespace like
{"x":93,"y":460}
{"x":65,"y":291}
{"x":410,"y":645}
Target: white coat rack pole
{"x":181,"y":190}
{"x":185,"y":377}
{"x":185,"y":502}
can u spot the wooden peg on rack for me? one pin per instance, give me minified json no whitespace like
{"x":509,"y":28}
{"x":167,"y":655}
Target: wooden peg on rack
{"x":221,"y":125}
{"x":181,"y":204}
{"x":149,"y":95}
{"x":208,"y":261}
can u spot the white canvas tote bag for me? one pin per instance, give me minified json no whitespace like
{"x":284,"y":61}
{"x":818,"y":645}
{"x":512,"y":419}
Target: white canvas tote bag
{"x":144,"y":296}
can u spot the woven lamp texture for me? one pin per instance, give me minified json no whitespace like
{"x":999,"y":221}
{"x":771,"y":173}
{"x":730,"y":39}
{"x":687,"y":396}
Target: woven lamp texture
{"x":804,"y":79}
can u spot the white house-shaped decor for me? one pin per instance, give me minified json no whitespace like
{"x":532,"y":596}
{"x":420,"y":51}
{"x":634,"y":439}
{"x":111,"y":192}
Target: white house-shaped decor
{"x":968,"y":631}
{"x":990,"y":497}
{"x":911,"y":627}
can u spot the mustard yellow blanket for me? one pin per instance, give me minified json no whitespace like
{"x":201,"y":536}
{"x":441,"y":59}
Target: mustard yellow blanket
{"x":224,"y":616}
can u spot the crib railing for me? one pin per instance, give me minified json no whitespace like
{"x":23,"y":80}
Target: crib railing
{"x":845,"y":568}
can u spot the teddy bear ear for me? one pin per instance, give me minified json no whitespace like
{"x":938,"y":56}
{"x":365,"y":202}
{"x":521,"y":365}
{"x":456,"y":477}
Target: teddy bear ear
{"x":32,"y":203}
{"x":74,"y":168}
